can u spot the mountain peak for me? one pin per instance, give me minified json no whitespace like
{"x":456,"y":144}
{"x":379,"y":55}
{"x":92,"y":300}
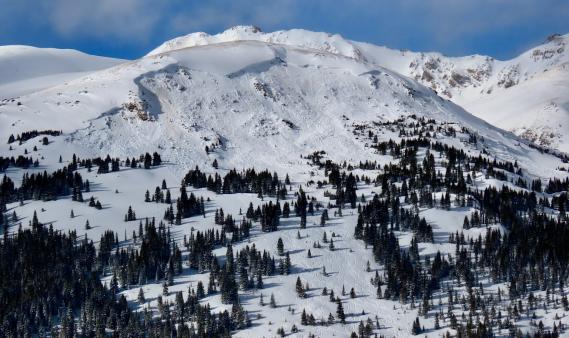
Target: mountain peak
{"x":245,"y":29}
{"x":319,"y":41}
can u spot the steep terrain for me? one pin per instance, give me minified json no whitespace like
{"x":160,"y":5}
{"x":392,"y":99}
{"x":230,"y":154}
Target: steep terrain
{"x":229,"y":96}
{"x":526,"y":95}
{"x":392,"y":191}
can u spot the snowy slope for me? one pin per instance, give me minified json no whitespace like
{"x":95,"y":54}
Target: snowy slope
{"x":25,"y":69}
{"x":527,"y":94}
{"x":261,"y":104}
{"x":230,"y":96}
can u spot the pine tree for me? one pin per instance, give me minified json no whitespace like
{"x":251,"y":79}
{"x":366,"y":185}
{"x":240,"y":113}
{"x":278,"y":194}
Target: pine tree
{"x":416,"y":328}
{"x":466,"y":223}
{"x":259,"y":282}
{"x":287,"y":264}
{"x":211,"y":289}
{"x":299,"y":288}
{"x":243,"y":279}
{"x":280,"y":247}
{"x":340,"y":313}
{"x":141,"y":298}
{"x":35,"y":221}
{"x":165,"y":289}
{"x":200,"y":292}
{"x":286,"y":210}
{"x":130,"y":215}
{"x":303,"y":318}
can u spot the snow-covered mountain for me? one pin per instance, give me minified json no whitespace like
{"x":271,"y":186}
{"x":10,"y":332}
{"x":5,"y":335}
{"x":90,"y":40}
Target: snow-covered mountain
{"x":340,"y":120}
{"x":26,"y":69}
{"x":230,"y":95}
{"x":527,"y":94}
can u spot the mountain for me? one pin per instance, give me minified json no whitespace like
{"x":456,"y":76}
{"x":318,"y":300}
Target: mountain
{"x":526,"y":95}
{"x":27,"y":69}
{"x":255,"y":184}
{"x":230,"y":95}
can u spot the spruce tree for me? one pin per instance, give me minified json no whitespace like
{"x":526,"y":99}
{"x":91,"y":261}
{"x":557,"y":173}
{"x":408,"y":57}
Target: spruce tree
{"x":299,"y":288}
{"x":141,"y":298}
{"x":340,"y":313}
{"x":280,"y":247}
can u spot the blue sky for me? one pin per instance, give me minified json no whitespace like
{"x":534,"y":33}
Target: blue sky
{"x":131,"y":28}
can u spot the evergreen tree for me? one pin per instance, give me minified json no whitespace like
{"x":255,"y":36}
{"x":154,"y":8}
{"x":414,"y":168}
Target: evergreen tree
{"x":340,"y":313}
{"x":141,"y":298}
{"x":416,"y":328}
{"x":165,"y":289}
{"x":299,"y":288}
{"x":280,"y":247}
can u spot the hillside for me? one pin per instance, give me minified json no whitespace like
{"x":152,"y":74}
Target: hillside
{"x":526,"y":95}
{"x":27,"y":69}
{"x":264,"y":185}
{"x":230,"y":95}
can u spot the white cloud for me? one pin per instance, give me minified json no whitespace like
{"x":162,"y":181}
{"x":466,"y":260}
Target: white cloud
{"x":216,"y":15}
{"x":443,"y":24}
{"x":124,"y":19}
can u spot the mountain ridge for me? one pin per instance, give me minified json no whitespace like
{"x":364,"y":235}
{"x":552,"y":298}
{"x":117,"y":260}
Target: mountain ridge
{"x":229,"y":96}
{"x":309,"y":192}
{"x":26,"y":69}
{"x":483,"y":85}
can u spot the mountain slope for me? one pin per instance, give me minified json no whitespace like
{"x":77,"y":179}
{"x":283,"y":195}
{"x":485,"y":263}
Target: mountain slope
{"x":316,"y":117}
{"x":230,"y":96}
{"x":527,"y":95}
{"x":27,"y":69}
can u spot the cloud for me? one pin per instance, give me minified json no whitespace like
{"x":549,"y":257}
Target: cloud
{"x":220,"y":14}
{"x":451,"y":19}
{"x":447,"y":25}
{"x":451,"y":26}
{"x":124,"y":19}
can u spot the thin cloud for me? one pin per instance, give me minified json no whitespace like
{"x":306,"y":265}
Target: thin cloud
{"x":218,"y":15}
{"x":125,"y":19}
{"x":451,"y":26}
